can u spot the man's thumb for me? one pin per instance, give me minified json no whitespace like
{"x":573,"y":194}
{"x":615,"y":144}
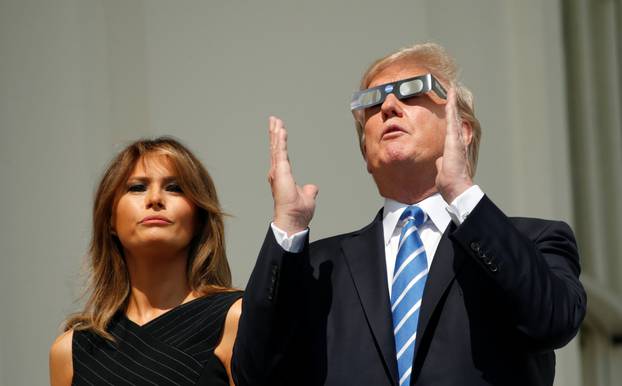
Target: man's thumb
{"x":310,"y":190}
{"x":439,"y":164}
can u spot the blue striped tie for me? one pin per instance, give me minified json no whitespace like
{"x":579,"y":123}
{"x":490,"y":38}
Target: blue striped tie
{"x":409,"y":275}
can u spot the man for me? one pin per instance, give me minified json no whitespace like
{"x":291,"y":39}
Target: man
{"x":440,"y":289}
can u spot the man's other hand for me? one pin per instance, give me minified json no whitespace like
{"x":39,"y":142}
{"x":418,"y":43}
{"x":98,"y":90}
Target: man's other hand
{"x":453,"y":176}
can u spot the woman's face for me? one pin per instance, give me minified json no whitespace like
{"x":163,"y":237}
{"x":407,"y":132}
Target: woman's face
{"x":152,"y":213}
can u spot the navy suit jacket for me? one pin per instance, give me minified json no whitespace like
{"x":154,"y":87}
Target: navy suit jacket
{"x":501,"y":294}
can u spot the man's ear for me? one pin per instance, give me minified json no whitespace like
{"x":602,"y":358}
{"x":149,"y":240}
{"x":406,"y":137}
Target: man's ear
{"x":364,"y":154}
{"x":467,"y":132}
{"x":367,"y":165}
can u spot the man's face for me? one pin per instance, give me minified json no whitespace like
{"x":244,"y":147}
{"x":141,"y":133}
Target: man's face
{"x":401,"y":132}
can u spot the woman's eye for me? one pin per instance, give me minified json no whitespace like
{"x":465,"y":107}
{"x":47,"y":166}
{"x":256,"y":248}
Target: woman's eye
{"x":174,"y":188}
{"x":136,"y":188}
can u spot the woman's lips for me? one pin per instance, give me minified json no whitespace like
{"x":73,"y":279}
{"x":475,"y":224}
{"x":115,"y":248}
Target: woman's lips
{"x":155,"y":220}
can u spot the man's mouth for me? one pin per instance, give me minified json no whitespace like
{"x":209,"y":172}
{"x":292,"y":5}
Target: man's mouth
{"x":393,"y":131}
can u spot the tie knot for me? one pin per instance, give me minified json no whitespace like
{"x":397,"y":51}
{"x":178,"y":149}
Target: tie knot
{"x":415,"y":214}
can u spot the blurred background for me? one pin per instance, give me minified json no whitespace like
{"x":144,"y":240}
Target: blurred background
{"x":79,"y":79}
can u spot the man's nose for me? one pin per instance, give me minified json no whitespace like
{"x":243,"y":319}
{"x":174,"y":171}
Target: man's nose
{"x":391,"y":107}
{"x":155,"y":199}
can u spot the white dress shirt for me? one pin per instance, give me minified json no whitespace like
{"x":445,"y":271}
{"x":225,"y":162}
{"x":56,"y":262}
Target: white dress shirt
{"x":439,"y":215}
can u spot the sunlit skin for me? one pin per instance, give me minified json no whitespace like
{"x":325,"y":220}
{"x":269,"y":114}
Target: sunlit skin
{"x":152,"y":216}
{"x":403,"y":139}
{"x":413,"y":149}
{"x":155,"y":223}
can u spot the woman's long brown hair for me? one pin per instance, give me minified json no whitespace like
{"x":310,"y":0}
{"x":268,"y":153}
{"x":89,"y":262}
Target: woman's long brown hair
{"x":109,"y":282}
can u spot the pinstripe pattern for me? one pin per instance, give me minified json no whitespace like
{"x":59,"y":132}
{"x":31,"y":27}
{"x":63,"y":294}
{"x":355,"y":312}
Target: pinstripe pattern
{"x":177,"y":348}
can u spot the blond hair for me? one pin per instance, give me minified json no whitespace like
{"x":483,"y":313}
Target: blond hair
{"x":109,"y":283}
{"x":435,"y":59}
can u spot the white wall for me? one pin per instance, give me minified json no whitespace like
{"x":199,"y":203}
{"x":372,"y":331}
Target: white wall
{"x":80,"y":78}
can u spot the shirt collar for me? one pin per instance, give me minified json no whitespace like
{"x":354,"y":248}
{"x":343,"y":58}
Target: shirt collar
{"x":434,"y":206}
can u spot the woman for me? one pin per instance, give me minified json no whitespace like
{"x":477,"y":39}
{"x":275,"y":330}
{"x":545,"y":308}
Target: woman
{"x":161,"y":309}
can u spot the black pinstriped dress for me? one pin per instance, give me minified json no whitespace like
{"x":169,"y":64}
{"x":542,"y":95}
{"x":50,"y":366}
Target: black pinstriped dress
{"x":176,"y":348}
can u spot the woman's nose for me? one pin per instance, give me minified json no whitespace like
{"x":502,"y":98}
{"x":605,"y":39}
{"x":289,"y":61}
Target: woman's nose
{"x":155,"y":199}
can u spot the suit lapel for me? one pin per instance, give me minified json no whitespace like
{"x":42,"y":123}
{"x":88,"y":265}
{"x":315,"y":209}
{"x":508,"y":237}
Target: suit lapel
{"x":442,"y":272}
{"x":365,"y":257}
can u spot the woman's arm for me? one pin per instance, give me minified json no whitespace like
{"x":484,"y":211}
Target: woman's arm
{"x":61,"y":366}
{"x":224,"y":350}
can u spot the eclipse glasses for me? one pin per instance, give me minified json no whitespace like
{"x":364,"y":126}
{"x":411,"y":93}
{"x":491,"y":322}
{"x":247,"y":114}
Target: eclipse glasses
{"x":402,"y":89}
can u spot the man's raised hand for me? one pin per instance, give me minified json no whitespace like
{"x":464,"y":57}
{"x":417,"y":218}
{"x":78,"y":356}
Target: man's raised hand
{"x":454,"y":175}
{"x":293,"y":205}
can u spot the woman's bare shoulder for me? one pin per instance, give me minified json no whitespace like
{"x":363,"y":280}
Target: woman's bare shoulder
{"x":61,"y":366}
